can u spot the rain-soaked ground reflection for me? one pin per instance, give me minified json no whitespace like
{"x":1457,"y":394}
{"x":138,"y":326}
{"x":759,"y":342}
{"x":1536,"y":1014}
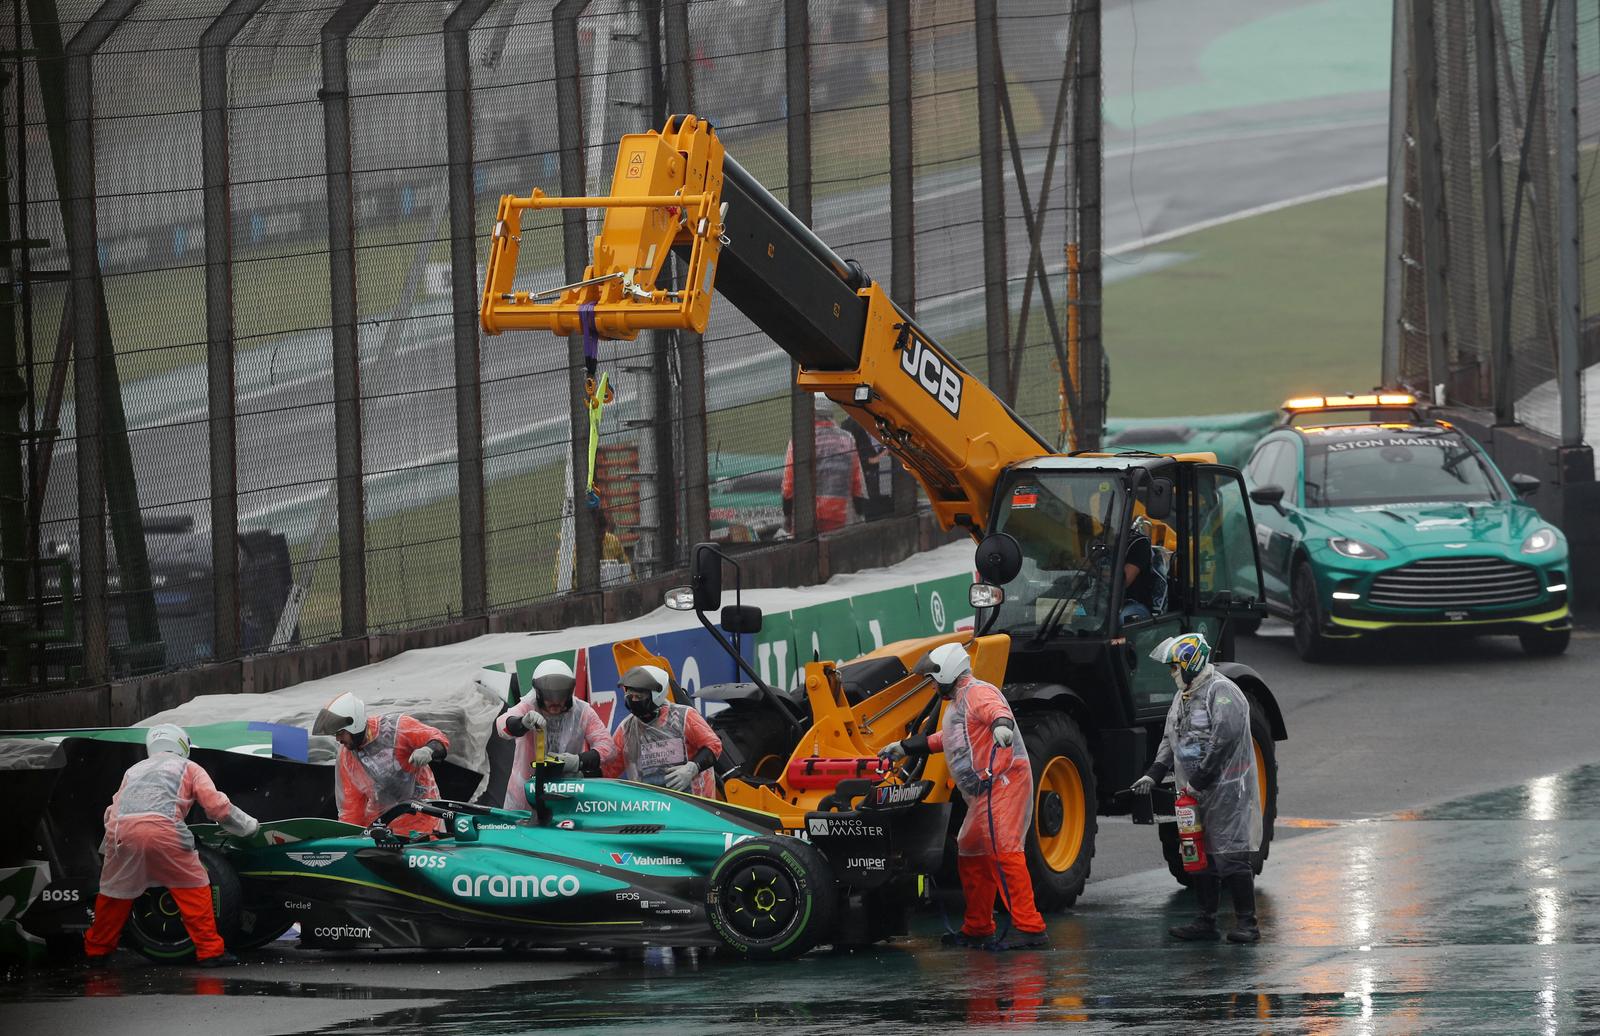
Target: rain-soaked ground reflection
{"x":1479,"y":915}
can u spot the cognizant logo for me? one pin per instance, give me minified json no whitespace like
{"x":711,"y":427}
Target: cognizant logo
{"x":515,"y":886}
{"x":341,"y":931}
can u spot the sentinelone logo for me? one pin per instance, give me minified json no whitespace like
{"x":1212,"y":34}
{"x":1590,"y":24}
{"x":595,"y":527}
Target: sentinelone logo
{"x":515,"y":886}
{"x":630,"y":860}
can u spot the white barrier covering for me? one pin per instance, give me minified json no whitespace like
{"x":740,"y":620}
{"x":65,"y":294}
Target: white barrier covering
{"x":439,"y":685}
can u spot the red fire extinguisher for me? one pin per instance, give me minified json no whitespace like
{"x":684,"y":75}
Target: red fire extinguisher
{"x":1191,"y":833}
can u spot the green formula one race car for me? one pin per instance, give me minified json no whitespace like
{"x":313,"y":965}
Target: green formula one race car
{"x":597,"y":863}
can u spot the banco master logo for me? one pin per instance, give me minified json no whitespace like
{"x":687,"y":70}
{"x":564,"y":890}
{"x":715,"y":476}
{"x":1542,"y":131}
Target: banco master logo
{"x":631,"y":860}
{"x":937,"y":376}
{"x":316,"y":859}
{"x":515,"y":886}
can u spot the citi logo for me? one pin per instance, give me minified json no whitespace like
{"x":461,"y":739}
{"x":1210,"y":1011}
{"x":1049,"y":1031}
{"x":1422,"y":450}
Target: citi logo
{"x":937,"y":376}
{"x":515,"y":886}
{"x":630,"y":860}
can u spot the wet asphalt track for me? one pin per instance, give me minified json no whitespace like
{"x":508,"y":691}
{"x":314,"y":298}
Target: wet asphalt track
{"x":1388,"y":906}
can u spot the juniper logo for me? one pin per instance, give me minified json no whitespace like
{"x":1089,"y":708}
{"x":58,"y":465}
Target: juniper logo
{"x":316,"y":860}
{"x":515,"y":886}
{"x":631,"y":860}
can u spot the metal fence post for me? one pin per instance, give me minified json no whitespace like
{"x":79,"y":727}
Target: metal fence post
{"x":996,"y":303}
{"x":902,"y":201}
{"x":802,"y":419}
{"x":575,"y":251}
{"x":1087,"y":159}
{"x":1395,"y":209}
{"x":664,"y":476}
{"x":464,"y":303}
{"x":1490,"y":153}
{"x":342,"y":292}
{"x":1569,"y":258}
{"x":691,"y":347}
{"x":216,"y":177}
{"x":89,"y":332}
{"x":1430,"y":189}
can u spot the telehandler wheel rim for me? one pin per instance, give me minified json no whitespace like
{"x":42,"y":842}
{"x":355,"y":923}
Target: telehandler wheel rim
{"x":1061,"y":790}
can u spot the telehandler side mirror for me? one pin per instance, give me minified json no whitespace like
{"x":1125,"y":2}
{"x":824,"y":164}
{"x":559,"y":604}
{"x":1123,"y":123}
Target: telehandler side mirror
{"x":999,"y":558}
{"x":1158,"y":499}
{"x":707,"y":578}
{"x":741,"y":618}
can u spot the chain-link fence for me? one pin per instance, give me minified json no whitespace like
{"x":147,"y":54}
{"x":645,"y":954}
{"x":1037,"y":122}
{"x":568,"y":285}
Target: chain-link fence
{"x":1495,"y":300}
{"x":247,"y":246}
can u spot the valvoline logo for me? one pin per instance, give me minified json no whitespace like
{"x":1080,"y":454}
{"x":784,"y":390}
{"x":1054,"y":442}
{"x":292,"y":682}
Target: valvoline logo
{"x":632,"y":860}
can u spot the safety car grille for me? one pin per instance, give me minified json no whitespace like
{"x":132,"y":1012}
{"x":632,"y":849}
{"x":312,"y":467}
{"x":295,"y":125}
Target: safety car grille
{"x":1455,"y":583}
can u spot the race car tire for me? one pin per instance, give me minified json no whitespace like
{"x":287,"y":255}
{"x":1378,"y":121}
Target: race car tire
{"x":1267,"y":787}
{"x":771,"y":898}
{"x":155,"y":928}
{"x":1544,"y":643}
{"x":1309,"y":643}
{"x":1060,"y":843}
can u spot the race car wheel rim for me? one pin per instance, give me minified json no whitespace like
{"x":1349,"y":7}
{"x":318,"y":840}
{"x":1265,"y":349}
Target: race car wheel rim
{"x":158,"y":920}
{"x":761,"y":900}
{"x":1059,"y":805}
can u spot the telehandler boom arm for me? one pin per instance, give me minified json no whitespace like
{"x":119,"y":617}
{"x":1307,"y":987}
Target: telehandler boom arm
{"x":677,"y":191}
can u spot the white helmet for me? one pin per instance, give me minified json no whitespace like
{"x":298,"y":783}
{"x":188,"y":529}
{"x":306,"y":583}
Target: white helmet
{"x":346,"y":712}
{"x":946,"y":663}
{"x":167,"y":737}
{"x":553,"y":683}
{"x":648,"y":678}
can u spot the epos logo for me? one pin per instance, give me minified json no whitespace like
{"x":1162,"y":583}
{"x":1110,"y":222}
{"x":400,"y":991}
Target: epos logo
{"x":937,"y":376}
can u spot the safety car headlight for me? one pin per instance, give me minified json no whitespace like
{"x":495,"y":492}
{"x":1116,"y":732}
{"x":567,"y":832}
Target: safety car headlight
{"x":1539,"y":541}
{"x":1349,"y":548}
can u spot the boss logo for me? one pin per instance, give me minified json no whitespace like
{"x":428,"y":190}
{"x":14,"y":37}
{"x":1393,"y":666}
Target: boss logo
{"x":426,"y":861}
{"x":60,"y":896}
{"x":934,"y":373}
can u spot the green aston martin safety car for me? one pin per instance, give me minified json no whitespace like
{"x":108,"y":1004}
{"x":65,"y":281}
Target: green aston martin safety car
{"x":1367,"y":528}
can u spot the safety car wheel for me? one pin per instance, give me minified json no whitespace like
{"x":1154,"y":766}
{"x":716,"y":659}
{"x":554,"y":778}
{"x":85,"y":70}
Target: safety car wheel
{"x":1544,"y":643}
{"x":1309,"y":643}
{"x":1266,"y":795}
{"x":771,"y":898}
{"x":1060,"y":843}
{"x":155,"y":927}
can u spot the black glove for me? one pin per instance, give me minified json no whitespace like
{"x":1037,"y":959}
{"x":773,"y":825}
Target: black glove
{"x":589,"y":763}
{"x":705,"y":759}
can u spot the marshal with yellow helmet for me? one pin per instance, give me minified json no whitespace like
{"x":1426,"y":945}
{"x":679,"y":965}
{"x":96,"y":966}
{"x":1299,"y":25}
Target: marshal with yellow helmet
{"x":1373,"y":519}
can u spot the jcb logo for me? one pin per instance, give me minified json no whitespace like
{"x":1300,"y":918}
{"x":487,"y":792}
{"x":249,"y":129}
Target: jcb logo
{"x":934,"y":373}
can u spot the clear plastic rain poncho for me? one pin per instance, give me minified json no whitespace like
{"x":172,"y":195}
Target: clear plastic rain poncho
{"x":1207,"y":746}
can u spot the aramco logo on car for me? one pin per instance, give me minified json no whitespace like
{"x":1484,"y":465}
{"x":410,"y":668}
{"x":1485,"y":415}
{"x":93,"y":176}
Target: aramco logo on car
{"x":515,"y":886}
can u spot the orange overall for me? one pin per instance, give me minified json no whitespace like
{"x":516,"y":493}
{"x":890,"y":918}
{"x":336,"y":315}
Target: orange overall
{"x":991,"y":838}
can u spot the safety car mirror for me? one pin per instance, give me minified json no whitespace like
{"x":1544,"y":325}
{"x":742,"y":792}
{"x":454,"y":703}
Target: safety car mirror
{"x":1525,"y":485}
{"x":1268,"y":496}
{"x":985,"y":595}
{"x":707,"y":581}
{"x":741,"y":618}
{"x":1158,"y":499}
{"x":999,"y":559}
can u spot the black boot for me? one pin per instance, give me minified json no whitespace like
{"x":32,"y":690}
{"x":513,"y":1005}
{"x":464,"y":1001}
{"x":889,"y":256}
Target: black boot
{"x":1208,"y":891}
{"x":1245,"y":929}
